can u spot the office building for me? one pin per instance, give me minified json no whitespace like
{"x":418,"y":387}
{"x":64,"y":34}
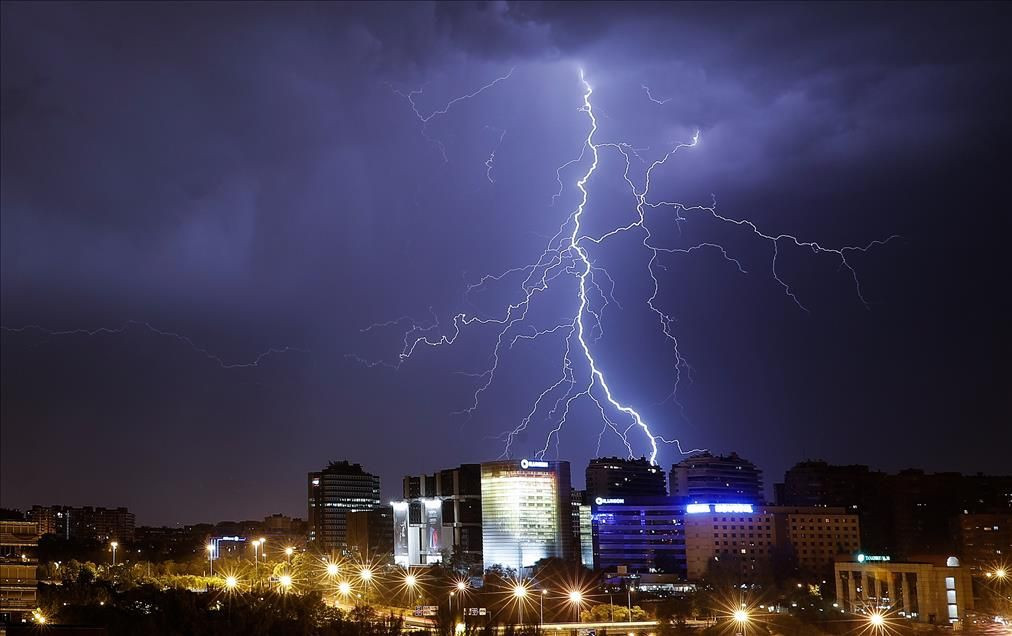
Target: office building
{"x":934,"y":590}
{"x":707,"y":478}
{"x":335,"y":491}
{"x":736,"y":539}
{"x":439,"y":516}
{"x":905,"y":514}
{"x":611,"y":477}
{"x":85,"y":522}
{"x":984,"y":541}
{"x":639,"y":534}
{"x":854,"y":487}
{"x":371,"y":534}
{"x":816,"y":536}
{"x":743,"y":541}
{"x":526,"y":512}
{"x":583,"y":544}
{"x":19,"y":541}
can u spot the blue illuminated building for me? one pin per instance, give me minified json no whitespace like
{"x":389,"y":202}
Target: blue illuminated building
{"x":644,"y":534}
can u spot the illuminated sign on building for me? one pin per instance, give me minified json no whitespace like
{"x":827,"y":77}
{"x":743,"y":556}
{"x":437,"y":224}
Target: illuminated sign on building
{"x":861,"y":558}
{"x":725,"y":508}
{"x":530,"y":463}
{"x":601,"y":500}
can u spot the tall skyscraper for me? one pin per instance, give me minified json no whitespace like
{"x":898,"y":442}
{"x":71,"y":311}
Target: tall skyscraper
{"x":610,"y":477}
{"x":335,"y":491}
{"x":526,"y":512}
{"x":707,"y":478}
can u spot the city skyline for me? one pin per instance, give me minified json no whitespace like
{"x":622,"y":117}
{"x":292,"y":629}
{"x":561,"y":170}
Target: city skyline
{"x":195,"y":240}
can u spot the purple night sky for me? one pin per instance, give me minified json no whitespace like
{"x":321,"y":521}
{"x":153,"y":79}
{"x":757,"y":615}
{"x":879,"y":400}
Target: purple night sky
{"x":251,"y":176}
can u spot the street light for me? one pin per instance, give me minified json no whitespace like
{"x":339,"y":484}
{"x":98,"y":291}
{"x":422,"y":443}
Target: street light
{"x":231,"y":582}
{"x":344,"y":588}
{"x":541,"y":611}
{"x":1000,"y":574}
{"x":210,"y":557}
{"x":520,"y":594}
{"x":365,"y":574}
{"x":288,"y":553}
{"x":576,"y":598}
{"x":256,"y":559}
{"x":332,"y":569}
{"x":285,"y":580}
{"x":741,"y":618}
{"x":114,"y":545}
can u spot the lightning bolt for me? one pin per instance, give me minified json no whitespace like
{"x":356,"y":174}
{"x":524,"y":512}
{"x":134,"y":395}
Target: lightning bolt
{"x":568,"y":254}
{"x":426,"y":118}
{"x":652,"y":98}
{"x":224,"y":364}
{"x":491,"y":156}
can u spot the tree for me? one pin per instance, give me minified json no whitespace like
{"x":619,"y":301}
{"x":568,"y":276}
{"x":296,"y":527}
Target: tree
{"x":605,"y":612}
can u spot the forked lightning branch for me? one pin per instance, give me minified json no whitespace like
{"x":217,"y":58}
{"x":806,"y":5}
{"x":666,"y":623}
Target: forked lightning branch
{"x":572,"y":254}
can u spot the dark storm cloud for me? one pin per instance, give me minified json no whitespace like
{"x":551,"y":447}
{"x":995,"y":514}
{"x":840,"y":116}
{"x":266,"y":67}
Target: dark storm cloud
{"x":246,"y":174}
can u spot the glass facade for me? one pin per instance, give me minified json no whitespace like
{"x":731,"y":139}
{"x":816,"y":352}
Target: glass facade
{"x":525,"y":509}
{"x":644,"y":534}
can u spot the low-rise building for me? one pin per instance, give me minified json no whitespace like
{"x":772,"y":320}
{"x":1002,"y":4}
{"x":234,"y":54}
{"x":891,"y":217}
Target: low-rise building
{"x":929,"y":590}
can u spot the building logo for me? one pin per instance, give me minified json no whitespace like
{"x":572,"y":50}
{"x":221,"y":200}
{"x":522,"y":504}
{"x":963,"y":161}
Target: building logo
{"x":530,"y":463}
{"x":731,"y":507}
{"x":861,"y":558}
{"x":602,"y":501}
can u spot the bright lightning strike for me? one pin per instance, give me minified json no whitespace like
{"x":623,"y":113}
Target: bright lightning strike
{"x":224,"y":364}
{"x":568,"y":254}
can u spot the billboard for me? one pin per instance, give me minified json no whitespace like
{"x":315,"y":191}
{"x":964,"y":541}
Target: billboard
{"x":401,"y":555}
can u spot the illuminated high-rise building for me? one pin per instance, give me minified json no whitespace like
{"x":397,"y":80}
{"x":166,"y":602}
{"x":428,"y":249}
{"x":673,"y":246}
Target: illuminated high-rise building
{"x":335,"y":491}
{"x":706,"y":478}
{"x":611,"y":477}
{"x":526,"y":512}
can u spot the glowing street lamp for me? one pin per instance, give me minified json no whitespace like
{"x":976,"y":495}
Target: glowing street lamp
{"x":256,"y":558}
{"x":410,"y":581}
{"x":285,"y":581}
{"x":365,"y":574}
{"x":520,"y":595}
{"x":741,"y":618}
{"x":576,"y":599}
{"x":231,"y":582}
{"x":210,"y":557}
{"x":344,"y":588}
{"x":288,"y":553}
{"x":877,"y":622}
{"x":1001,"y":574}
{"x":541,"y":608}
{"x":114,"y":545}
{"x":332,"y":569}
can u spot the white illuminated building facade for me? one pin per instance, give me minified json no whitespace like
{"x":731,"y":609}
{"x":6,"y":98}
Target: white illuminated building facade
{"x":526,"y":512}
{"x":418,"y":532}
